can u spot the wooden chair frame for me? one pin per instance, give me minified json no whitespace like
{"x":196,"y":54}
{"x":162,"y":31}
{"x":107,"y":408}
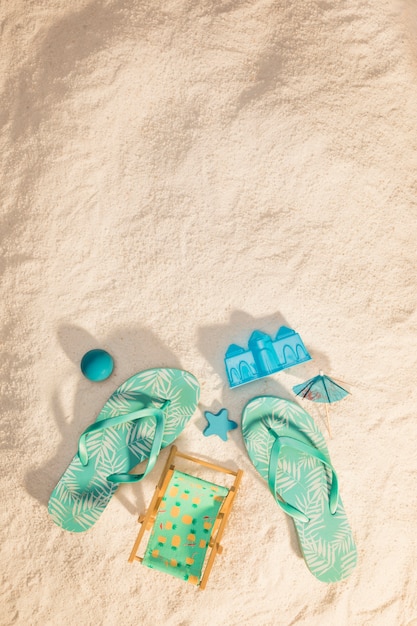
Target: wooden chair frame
{"x":147,"y":520}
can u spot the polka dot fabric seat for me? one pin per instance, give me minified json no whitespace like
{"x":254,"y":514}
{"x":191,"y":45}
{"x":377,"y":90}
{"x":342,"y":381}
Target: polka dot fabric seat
{"x":186,"y":519}
{"x":183,"y":526}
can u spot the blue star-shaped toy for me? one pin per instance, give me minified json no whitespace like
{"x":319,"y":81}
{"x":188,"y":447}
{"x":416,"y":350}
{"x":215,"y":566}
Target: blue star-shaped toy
{"x":218,"y":424}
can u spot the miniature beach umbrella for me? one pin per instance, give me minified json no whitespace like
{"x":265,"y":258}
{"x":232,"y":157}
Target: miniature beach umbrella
{"x":322,"y":389}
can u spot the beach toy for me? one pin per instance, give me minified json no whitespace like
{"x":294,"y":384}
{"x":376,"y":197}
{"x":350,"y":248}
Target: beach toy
{"x":149,"y":411}
{"x":290,"y":453}
{"x":186,"y":517}
{"x":97,"y":365}
{"x":218,"y":424}
{"x":322,"y":389}
{"x":264,"y":356}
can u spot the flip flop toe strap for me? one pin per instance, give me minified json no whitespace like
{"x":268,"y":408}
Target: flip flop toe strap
{"x":296,"y":444}
{"x":123,"y":419}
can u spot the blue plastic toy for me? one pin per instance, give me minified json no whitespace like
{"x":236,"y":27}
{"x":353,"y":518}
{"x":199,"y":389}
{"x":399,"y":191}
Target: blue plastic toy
{"x":97,"y":365}
{"x":264,"y":356}
{"x":218,"y":424}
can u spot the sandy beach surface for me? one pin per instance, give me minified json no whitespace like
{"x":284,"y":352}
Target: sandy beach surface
{"x":174,"y":176}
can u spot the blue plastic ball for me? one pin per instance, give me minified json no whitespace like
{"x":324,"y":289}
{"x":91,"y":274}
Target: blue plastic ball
{"x":97,"y":365}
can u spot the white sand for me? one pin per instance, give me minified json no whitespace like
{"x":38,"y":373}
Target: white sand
{"x":176,"y":174}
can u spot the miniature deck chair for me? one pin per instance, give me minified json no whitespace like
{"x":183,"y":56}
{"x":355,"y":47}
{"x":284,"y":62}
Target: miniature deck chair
{"x":186,"y":517}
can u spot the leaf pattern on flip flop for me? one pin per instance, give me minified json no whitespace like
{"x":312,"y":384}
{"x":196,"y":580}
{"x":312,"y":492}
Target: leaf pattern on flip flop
{"x":321,"y":557}
{"x":304,"y":482}
{"x":317,"y":488}
{"x":83,"y":492}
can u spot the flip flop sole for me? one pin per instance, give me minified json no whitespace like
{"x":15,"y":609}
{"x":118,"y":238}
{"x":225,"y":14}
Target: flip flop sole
{"x":326,"y":540}
{"x":83,"y":492}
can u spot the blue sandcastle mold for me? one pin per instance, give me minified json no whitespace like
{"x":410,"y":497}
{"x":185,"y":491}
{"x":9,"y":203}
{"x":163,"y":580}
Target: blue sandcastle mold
{"x":264,"y":356}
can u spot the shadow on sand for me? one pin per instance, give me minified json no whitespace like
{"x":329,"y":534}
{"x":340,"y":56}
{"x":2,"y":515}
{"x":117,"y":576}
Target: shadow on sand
{"x":133,"y":350}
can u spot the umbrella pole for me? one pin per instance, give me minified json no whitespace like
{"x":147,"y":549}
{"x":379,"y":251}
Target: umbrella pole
{"x":327,"y":420}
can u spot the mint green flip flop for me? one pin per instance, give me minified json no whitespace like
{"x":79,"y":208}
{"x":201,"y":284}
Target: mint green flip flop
{"x":290,"y":452}
{"x":146,"y":413}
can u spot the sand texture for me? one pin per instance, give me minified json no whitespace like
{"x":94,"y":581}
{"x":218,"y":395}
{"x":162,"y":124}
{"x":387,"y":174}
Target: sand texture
{"x":175,"y":175}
